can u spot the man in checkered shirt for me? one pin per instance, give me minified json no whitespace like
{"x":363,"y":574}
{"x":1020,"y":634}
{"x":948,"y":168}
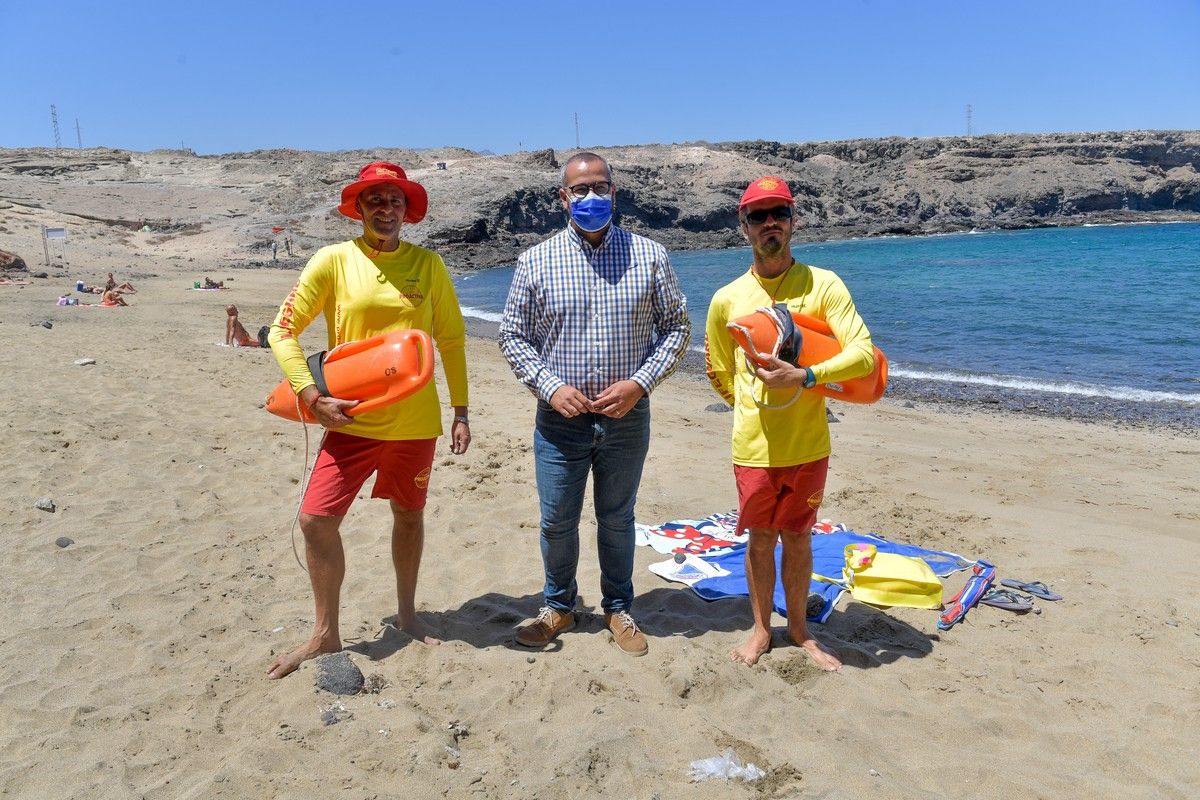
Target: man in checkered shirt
{"x":594,"y":322}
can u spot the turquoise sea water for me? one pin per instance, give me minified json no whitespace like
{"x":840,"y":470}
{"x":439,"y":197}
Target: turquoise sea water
{"x":1108,"y":311}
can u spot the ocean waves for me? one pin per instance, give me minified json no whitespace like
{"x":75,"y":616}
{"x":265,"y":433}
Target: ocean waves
{"x":1051,"y":387}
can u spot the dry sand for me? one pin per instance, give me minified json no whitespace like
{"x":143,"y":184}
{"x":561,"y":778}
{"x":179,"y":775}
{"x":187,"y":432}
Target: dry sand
{"x":132,"y":662}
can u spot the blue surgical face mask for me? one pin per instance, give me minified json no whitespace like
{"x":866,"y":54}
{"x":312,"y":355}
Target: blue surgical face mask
{"x":593,"y":212}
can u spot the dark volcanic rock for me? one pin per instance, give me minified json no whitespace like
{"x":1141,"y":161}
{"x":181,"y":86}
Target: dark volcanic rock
{"x":11,"y":262}
{"x":337,"y":673}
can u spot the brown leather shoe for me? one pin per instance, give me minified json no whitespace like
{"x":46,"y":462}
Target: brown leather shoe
{"x":545,"y":628}
{"x":625,"y":633}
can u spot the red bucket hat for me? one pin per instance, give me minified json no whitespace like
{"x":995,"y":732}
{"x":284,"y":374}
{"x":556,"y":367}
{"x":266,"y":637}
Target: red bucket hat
{"x":770,"y":186}
{"x":416,"y":201}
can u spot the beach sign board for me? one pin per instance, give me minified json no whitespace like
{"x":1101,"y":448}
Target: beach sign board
{"x":54,"y":233}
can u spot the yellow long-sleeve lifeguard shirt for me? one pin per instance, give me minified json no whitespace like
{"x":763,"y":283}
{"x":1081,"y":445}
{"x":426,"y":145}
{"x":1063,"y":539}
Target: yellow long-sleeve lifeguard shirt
{"x":797,"y":434}
{"x":408,"y":288}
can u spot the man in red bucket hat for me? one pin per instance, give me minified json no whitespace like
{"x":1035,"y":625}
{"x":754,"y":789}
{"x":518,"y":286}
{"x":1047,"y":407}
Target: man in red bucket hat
{"x":370,"y":285}
{"x":381,"y":172}
{"x":780,"y":449}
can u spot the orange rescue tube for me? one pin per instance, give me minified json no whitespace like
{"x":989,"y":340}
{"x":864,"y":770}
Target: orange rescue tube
{"x":760,"y":336}
{"x":377,"y":372}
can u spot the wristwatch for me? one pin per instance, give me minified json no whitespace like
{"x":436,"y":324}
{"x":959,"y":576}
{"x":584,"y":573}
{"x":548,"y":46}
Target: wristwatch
{"x":464,"y":419}
{"x":810,"y":380}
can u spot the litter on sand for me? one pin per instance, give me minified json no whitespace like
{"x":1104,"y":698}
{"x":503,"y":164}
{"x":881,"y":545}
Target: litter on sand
{"x":725,"y":767}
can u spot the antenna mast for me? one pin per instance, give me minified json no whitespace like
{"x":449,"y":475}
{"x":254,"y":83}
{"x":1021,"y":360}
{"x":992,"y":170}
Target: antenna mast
{"x":78,"y":135}
{"x":54,"y":124}
{"x":969,"y":113}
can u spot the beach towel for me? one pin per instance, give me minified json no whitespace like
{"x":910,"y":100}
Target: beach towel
{"x":829,"y":557}
{"x":688,"y":571}
{"x":716,"y":533}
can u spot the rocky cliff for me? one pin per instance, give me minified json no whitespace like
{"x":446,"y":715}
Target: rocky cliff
{"x":485,"y":209}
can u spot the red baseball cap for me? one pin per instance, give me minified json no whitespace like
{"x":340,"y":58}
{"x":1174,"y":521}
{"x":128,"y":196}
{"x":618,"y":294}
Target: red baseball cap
{"x":769,"y":186}
{"x":416,"y":200}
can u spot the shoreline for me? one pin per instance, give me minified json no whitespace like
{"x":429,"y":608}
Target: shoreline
{"x":959,"y":397}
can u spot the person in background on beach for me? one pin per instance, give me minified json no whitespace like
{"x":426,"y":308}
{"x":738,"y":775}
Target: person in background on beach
{"x":126,"y":287}
{"x":236,"y":334}
{"x":594,"y":321}
{"x":780,"y":455}
{"x":364,"y":287}
{"x":287,"y":246}
{"x":274,"y":250}
{"x":209,"y":283}
{"x":112,"y":297}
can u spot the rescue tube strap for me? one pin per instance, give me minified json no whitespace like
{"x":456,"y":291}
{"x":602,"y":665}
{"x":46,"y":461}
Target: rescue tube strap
{"x":316,"y":365}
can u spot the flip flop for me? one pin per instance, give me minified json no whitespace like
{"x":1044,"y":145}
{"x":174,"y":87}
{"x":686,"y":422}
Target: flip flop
{"x":1035,"y":588}
{"x":1003,"y":598}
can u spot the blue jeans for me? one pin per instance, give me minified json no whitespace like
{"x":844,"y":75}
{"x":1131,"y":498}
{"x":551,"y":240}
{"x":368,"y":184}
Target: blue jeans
{"x":614,"y":450}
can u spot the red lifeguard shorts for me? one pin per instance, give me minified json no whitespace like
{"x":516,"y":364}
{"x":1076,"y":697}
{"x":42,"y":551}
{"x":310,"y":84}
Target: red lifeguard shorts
{"x":345,"y":462}
{"x":780,"y":498}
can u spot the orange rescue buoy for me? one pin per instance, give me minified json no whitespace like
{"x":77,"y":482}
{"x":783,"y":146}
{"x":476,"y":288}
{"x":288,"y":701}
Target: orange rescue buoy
{"x":806,"y":341}
{"x":377,"y":372}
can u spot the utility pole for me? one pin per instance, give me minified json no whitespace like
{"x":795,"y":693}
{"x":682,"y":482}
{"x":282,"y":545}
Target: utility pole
{"x":969,"y":112}
{"x":78,"y":135}
{"x":577,"y":130}
{"x":54,"y":124}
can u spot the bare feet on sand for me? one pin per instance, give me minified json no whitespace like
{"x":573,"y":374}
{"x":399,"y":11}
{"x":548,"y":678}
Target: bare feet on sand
{"x":759,"y":644}
{"x":287,"y":664}
{"x":752,"y":649}
{"x":416,"y":630}
{"x":820,"y":655}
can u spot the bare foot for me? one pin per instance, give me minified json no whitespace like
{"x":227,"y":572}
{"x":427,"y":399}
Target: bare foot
{"x":416,"y":630}
{"x":753,"y":648}
{"x":820,"y":655}
{"x":287,"y":664}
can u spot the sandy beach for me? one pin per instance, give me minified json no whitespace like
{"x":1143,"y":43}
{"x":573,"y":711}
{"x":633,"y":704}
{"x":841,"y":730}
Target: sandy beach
{"x":132,"y":662}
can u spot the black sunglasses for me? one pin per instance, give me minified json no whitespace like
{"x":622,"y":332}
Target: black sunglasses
{"x":759,"y":215}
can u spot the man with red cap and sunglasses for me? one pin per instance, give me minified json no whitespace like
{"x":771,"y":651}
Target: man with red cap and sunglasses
{"x":367,"y":286}
{"x":780,"y":449}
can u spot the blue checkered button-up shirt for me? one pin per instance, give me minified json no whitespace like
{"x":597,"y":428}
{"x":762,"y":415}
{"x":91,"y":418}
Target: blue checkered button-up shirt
{"x":591,"y":316}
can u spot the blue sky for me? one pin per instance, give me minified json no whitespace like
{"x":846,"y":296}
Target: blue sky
{"x":223,"y":77}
